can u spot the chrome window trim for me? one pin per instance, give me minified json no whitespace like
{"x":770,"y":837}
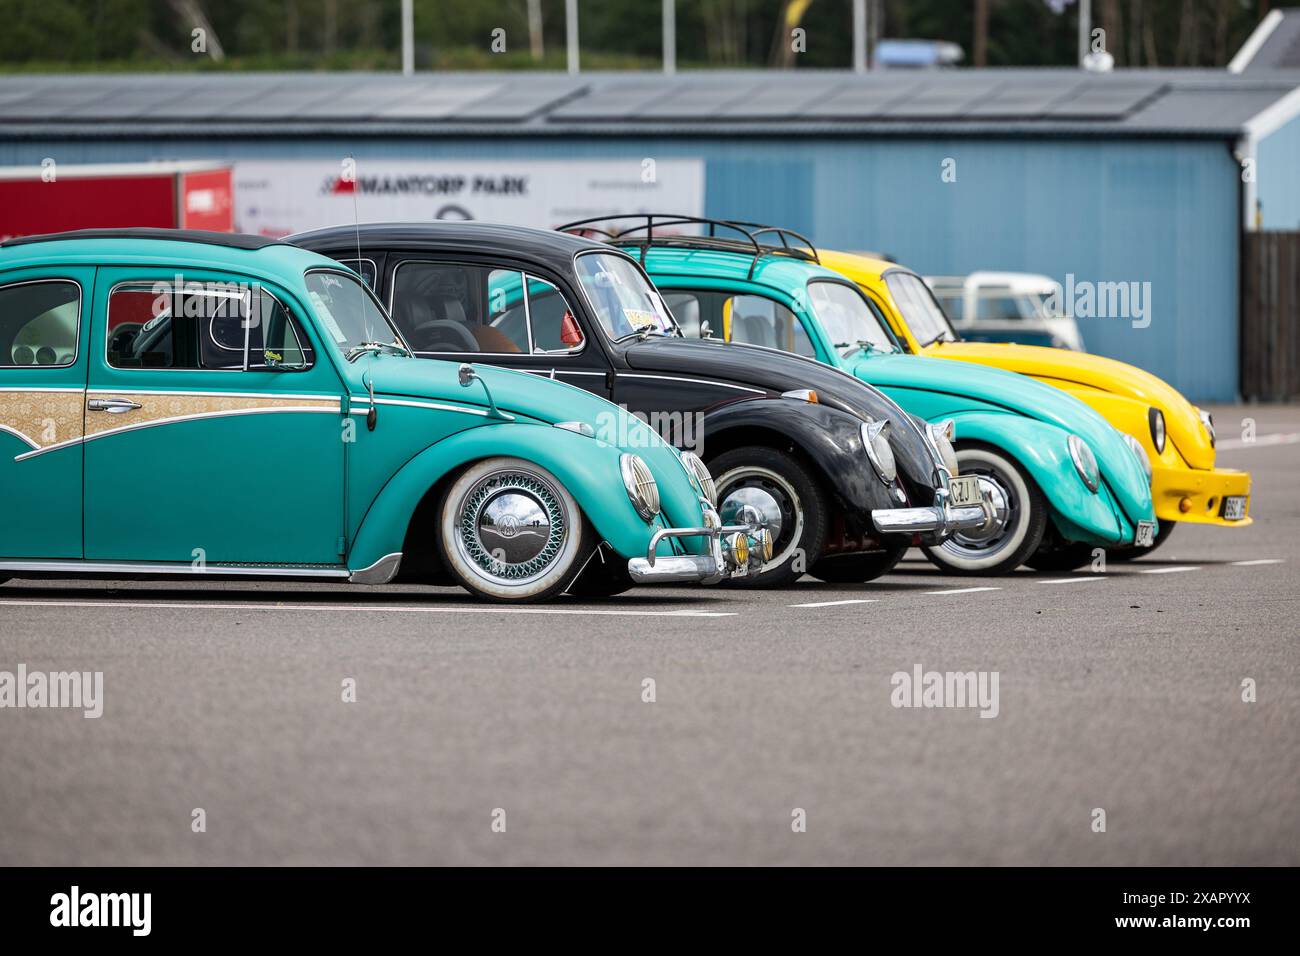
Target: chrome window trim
{"x":392,"y":299}
{"x":697,"y":381}
{"x":373,"y":265}
{"x":171,"y":284}
{"x":76,"y":339}
{"x":532,"y":340}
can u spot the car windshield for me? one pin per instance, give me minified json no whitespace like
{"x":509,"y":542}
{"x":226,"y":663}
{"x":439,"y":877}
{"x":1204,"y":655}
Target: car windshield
{"x":919,"y":309}
{"x":623,"y":299}
{"x":848,"y":320}
{"x":350,"y":314}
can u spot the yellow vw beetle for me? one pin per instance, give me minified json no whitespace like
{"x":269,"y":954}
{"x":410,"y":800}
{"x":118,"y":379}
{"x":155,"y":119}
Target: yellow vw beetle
{"x":1178,"y":437}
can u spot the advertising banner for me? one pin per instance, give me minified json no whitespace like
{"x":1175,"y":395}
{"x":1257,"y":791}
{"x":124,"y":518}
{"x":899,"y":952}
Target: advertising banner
{"x":279,"y":197}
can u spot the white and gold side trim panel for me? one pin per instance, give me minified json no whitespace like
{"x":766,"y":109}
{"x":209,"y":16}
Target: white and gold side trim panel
{"x":159,"y":408}
{"x":42,"y":417}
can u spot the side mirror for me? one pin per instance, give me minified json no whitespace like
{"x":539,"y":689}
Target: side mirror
{"x":466,"y":374}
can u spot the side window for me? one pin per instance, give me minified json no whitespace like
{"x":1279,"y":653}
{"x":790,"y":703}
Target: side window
{"x":688,"y":310}
{"x":448,"y":307}
{"x":756,"y":320}
{"x":554,"y":327}
{"x":217,"y":327}
{"x":38,"y":323}
{"x":364,"y":268}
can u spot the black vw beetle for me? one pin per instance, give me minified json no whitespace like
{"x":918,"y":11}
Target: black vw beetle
{"x":841,"y":476}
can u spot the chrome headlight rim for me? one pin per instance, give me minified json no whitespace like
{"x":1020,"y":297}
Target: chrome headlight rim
{"x":1141,"y":455}
{"x":1208,"y":421}
{"x":1085,"y":463}
{"x":941,"y":435}
{"x":1156,"y":422}
{"x":875,"y":439}
{"x":640,"y":485}
{"x":699,"y":471}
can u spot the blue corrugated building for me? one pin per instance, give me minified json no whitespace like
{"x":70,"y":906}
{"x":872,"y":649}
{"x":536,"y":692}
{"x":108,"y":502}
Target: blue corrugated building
{"x":1131,"y":176}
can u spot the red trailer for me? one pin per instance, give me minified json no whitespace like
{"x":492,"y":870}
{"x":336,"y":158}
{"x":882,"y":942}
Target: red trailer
{"x":54,"y":197}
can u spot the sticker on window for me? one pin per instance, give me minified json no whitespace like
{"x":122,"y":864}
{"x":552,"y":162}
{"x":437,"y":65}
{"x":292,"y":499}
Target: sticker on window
{"x":327,"y":317}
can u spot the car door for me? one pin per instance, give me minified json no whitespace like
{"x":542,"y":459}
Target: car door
{"x":43,"y":345}
{"x":499,"y":313}
{"x":213,"y":424}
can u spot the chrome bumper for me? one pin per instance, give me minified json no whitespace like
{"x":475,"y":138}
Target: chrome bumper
{"x":936,"y":522}
{"x":721,"y":561}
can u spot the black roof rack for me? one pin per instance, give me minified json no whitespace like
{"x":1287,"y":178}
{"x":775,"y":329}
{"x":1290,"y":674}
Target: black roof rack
{"x":642,"y":235}
{"x":231,"y":240}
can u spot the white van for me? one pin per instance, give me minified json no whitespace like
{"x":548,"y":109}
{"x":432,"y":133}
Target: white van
{"x":1005,"y":307}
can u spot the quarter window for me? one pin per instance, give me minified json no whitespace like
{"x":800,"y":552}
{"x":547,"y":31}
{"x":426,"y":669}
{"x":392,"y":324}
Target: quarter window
{"x":554,"y":327}
{"x":213,"y":326}
{"x":39,"y":322}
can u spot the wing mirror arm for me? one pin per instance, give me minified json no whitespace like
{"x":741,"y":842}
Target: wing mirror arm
{"x":468,"y":376}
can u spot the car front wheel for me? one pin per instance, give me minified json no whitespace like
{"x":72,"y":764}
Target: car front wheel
{"x":789,"y":502}
{"x":1021,"y":510}
{"x":509,"y":531}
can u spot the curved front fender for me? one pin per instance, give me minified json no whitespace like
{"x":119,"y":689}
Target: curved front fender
{"x":1042,"y":451}
{"x":830,"y":438}
{"x":588,"y":468}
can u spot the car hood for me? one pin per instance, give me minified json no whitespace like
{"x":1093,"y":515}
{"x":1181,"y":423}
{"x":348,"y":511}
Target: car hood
{"x":777,"y":372}
{"x":1182,"y":420}
{"x":1022,"y":395}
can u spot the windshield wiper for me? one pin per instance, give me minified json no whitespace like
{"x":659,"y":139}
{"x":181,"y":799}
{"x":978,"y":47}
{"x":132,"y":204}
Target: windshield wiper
{"x":641,"y":331}
{"x":357,"y":351}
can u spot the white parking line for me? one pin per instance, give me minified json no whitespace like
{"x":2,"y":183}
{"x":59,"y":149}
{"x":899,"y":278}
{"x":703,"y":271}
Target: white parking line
{"x":381,"y":608}
{"x":1249,"y":564}
{"x":1075,"y":580}
{"x":1277,"y":438}
{"x":1185,"y":567}
{"x":834,"y":603}
{"x":963,"y":590}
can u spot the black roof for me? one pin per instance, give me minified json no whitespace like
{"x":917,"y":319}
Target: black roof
{"x":554,"y":248}
{"x":230,"y":240}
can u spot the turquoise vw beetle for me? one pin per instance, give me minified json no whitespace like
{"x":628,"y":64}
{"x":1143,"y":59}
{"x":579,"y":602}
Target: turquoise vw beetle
{"x":1064,"y":482}
{"x":199,"y":403}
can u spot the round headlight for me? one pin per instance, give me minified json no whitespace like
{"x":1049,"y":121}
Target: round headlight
{"x":641,"y":487}
{"x":1157,"y":420}
{"x":1140,"y":454}
{"x":941,"y":435}
{"x":1085,"y":462}
{"x":875,"y":438}
{"x":700,"y":472}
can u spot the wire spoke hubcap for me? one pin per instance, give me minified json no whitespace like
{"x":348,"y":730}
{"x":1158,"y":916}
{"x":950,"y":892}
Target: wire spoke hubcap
{"x":512,"y":527}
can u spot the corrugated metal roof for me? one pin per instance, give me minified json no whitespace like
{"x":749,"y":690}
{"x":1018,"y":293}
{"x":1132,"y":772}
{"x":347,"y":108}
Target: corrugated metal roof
{"x":959,"y":102}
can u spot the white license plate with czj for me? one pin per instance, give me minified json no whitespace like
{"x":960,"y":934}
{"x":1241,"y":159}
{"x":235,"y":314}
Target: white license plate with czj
{"x":964,"y":491}
{"x":1234,"y":508}
{"x":1146,"y":534}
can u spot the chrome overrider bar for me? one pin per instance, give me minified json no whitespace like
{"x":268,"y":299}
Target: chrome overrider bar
{"x":940,"y":520}
{"x":734,"y":551}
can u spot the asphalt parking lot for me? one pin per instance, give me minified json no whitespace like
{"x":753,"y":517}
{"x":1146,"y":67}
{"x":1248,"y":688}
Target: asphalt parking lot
{"x":1119,"y":691}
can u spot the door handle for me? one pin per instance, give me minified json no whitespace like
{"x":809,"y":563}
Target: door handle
{"x":114,"y":405}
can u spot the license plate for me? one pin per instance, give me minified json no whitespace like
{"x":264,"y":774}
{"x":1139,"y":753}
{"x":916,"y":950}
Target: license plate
{"x":1234,"y":507}
{"x":1146,"y":534}
{"x":964,"y":491}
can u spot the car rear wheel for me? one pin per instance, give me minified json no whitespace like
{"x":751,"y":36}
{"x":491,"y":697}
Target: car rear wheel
{"x":858,"y":568}
{"x":509,"y":531}
{"x":790,"y":504}
{"x":1018,"y":503}
{"x":1132,"y":554}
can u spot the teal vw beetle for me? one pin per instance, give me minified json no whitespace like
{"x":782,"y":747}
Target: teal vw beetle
{"x":1062,"y":479}
{"x":201,"y":403}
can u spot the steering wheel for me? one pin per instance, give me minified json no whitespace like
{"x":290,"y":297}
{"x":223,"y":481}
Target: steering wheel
{"x":443,"y":335}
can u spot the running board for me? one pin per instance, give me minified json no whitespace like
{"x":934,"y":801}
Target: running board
{"x":67,"y":566}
